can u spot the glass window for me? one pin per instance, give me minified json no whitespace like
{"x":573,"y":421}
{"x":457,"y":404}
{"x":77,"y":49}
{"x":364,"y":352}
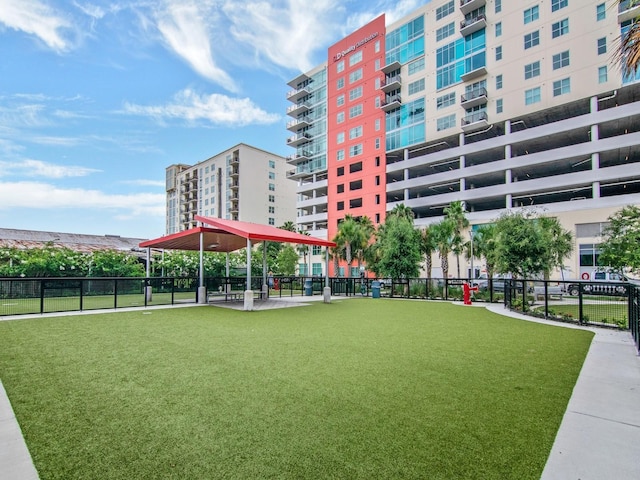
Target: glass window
{"x":272,"y":187}
{"x":531,"y":14}
{"x":602,"y":45}
{"x":498,"y":6}
{"x":355,"y":150}
{"x":340,"y":171}
{"x":355,"y":110}
{"x":499,"y":105}
{"x":446,"y":31}
{"x":340,"y":100}
{"x":355,"y":58}
{"x":377,"y":124}
{"x":561,"y":87}
{"x":416,"y":66}
{"x":355,"y":93}
{"x":561,"y":60}
{"x":340,"y":137}
{"x":355,"y":75}
{"x":340,"y":83}
{"x":272,"y":221}
{"x":446,"y":100}
{"x":531,"y":39}
{"x":601,"y":12}
{"x":355,"y":132}
{"x":272,"y":164}
{"x":417,"y":86}
{"x":340,"y":155}
{"x":532,"y":95}
{"x":602,"y":74}
{"x":560,"y":28}
{"x":340,"y":66}
{"x":558,"y":4}
{"x":377,"y":46}
{"x":531,"y":70}
{"x":498,"y":29}
{"x":444,"y":10}
{"x":446,"y":122}
{"x":340,"y":117}
{"x":272,"y":175}
{"x":498,"y":82}
{"x":316,"y":268}
{"x":499,"y":53}
{"x":377,"y":143}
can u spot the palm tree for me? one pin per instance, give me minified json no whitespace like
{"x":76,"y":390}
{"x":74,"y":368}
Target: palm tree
{"x":428,"y":247}
{"x":365,"y":232}
{"x":628,"y":53}
{"x":401,"y":210}
{"x":443,"y":233}
{"x":484,"y":247}
{"x":346,"y":238}
{"x":455,"y":212}
{"x":289,"y":226}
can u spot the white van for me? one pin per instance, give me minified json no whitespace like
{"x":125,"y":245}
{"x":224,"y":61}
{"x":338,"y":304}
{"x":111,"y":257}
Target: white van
{"x":600,"y":282}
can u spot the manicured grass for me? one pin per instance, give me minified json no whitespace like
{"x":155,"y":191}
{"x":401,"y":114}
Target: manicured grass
{"x":356,"y":389}
{"x":608,"y":313}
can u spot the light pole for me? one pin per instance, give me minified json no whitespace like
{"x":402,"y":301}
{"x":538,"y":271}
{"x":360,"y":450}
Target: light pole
{"x":473,"y":273}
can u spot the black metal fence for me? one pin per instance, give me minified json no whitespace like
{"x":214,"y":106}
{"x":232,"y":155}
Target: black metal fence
{"x":589,"y":303}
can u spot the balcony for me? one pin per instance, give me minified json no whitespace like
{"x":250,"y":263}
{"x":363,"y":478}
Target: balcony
{"x":234,"y":185}
{"x":299,"y":173}
{"x":298,"y":123}
{"x":467,"y":6}
{"x":298,"y":139}
{"x":628,"y":10}
{"x":475,"y":97}
{"x":302,"y":156}
{"x":235,"y":160}
{"x":391,"y":83}
{"x":475,"y":121}
{"x":470,"y":25}
{"x":391,"y":103}
{"x":297,"y":109}
{"x":295,"y":95}
{"x":234,"y":172}
{"x":478,"y":72}
{"x":298,"y":80}
{"x":392,"y":67}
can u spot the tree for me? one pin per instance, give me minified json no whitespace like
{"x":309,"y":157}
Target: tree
{"x":427,"y":248}
{"x":621,"y":246}
{"x":288,"y":226}
{"x":399,"y":247}
{"x":347,"y":236}
{"x":286,"y":261}
{"x":628,"y":52}
{"x":484,"y":246}
{"x":365,"y":232}
{"x":528,"y":245}
{"x":455,"y":213}
{"x":443,"y":233}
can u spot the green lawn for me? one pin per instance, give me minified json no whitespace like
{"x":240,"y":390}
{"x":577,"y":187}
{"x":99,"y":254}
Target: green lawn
{"x":357,"y":389}
{"x":603,"y":312}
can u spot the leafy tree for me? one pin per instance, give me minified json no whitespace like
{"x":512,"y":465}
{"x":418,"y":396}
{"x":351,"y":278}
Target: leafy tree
{"x":289,"y":226}
{"x":365,"y":233}
{"x":621,"y":246}
{"x":347,"y":237}
{"x":484,"y":246}
{"x":455,"y":213}
{"x":527,"y":245}
{"x":628,"y":52}
{"x":399,"y":244}
{"x":443,"y":233}
{"x":428,"y":247}
{"x":110,"y":263}
{"x":287,"y":261}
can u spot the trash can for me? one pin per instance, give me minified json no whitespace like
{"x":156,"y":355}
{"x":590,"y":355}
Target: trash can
{"x":308,"y":288}
{"x":375,"y":289}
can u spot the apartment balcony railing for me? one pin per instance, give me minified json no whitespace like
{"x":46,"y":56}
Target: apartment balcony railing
{"x":391,"y":83}
{"x":470,"y":25}
{"x":467,"y":6}
{"x":475,"y":97}
{"x":298,"y":123}
{"x":301,"y":156}
{"x":628,"y":10}
{"x":295,"y":95}
{"x":299,"y":139}
{"x":475,"y":121}
{"x":391,"y":102}
{"x":298,"y":108}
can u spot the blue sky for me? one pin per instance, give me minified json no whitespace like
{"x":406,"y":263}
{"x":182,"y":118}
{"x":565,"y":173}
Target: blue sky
{"x":97,"y":98}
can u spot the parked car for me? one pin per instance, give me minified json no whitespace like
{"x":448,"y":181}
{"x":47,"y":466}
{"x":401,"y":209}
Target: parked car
{"x":482,"y":282}
{"x":600,"y":282}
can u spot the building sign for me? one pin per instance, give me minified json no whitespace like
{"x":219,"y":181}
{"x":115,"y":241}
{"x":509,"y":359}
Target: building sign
{"x":352,"y":48}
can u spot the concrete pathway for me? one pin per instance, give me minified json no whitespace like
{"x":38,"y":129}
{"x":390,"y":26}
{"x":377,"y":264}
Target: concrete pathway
{"x":599,"y":437}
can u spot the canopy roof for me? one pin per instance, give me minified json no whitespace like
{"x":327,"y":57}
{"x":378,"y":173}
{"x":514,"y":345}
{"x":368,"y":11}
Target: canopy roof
{"x":229,"y":235}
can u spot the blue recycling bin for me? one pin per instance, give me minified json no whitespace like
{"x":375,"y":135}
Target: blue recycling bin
{"x":308,"y":288}
{"x":375,"y":289}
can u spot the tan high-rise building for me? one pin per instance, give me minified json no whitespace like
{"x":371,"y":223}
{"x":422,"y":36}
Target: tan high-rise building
{"x":242,"y":183}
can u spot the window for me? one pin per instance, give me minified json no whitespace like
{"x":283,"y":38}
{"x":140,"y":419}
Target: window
{"x":498,"y":82}
{"x":602,"y":74}
{"x":446,"y":100}
{"x":531,"y":39}
{"x":416,"y":66}
{"x":444,"y":10}
{"x":340,"y":100}
{"x":377,"y":180}
{"x":531,"y":14}
{"x":377,"y":143}
{"x":601,"y":12}
{"x":377,"y":102}
{"x":340,"y":137}
{"x":560,"y":28}
{"x":316,"y":268}
{"x":561,"y":60}
{"x":377,"y":161}
{"x":340,"y":66}
{"x":558,"y":4}
{"x":355,"y":75}
{"x":377,"y":199}
{"x":377,"y":64}
{"x":272,"y":198}
{"x":355,"y":203}
{"x":498,"y":6}
{"x":355,"y":93}
{"x":340,"y":188}
{"x":316,"y":250}
{"x":561,"y":87}
{"x":446,"y":31}
{"x":272,"y":164}
{"x":377,"y":125}
{"x":340,"y":205}
{"x":340,"y":83}
{"x":355,"y":58}
{"x":355,"y":111}
{"x":602,"y":45}
{"x":272,"y":175}
{"x":498,"y":29}
{"x":355,"y":167}
{"x":340,"y":117}
{"x":417,"y":86}
{"x":355,"y":185}
{"x":272,"y":210}
{"x":272,"y":221}
{"x":340,"y":155}
{"x":498,"y":53}
{"x":446,"y":122}
{"x":531,"y":70}
{"x":377,"y":46}
{"x":355,"y":132}
{"x":532,"y":96}
{"x":499,"y":105}
{"x":272,"y":187}
{"x":340,"y":171}
{"x":355,"y":150}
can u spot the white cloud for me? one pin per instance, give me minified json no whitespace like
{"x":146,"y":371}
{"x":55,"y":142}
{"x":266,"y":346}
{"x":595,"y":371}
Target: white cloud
{"x":37,"y":168}
{"x":185,"y":27}
{"x":36,"y":18}
{"x":145,"y":183}
{"x":215,"y":109}
{"x":46,"y":196}
{"x":286,"y":33}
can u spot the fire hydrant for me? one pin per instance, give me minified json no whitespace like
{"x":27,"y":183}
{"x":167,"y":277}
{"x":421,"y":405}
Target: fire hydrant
{"x":466,"y":292}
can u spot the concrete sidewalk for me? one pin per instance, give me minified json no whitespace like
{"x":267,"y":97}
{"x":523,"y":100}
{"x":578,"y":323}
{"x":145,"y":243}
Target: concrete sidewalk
{"x":599,"y":437}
